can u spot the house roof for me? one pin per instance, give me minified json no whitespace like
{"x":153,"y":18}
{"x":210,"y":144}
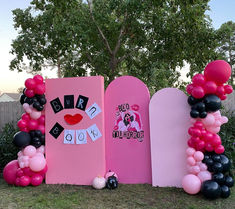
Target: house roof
{"x":15,"y":96}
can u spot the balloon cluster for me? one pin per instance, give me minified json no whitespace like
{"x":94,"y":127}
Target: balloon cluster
{"x":110,"y":181}
{"x":207,"y":172}
{"x":30,"y":167}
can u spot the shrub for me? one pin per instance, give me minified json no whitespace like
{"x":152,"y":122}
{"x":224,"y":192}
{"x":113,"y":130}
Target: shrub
{"x":8,"y":151}
{"x":227,"y":134}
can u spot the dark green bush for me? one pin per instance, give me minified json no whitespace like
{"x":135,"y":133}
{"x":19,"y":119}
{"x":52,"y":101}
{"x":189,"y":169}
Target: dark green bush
{"x":227,"y":134}
{"x":8,"y":151}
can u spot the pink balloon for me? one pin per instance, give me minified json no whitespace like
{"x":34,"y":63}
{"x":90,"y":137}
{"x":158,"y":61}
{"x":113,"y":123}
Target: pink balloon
{"x":40,"y":89}
{"x":200,"y":145}
{"x":219,"y":149}
{"x":198,"y":80}
{"x":195,"y":169}
{"x":191,"y":184}
{"x":213,"y":130}
{"x":41,"y":149}
{"x":203,"y":166}
{"x":25,"y":117}
{"x":29,"y":93}
{"x":228,"y":89}
{"x":210,"y":87}
{"x":19,"y":172}
{"x":189,"y":88}
{"x":224,"y":119}
{"x":38,"y":79}
{"x":198,"y":124}
{"x":36,"y":179}
{"x":27,"y":171}
{"x":25,"y":158}
{"x":35,"y":114}
{"x":22,"y":123}
{"x":44,"y":170}
{"x":32,"y":125}
{"x":209,"y":120}
{"x":41,"y":120}
{"x":209,"y":147}
{"x":19,"y":154}
{"x":29,"y":151}
{"x":220,"y":91}
{"x":9,"y":171}
{"x":218,"y":71}
{"x":191,"y":161}
{"x":17,"y":181}
{"x":198,"y":156}
{"x":37,"y":163}
{"x":198,"y":92}
{"x":25,"y":106}
{"x":190,"y":151}
{"x":41,"y":128}
{"x":30,"y":83}
{"x":24,"y":181}
{"x":204,"y":175}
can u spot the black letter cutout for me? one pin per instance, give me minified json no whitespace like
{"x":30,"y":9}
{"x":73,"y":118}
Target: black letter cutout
{"x":56,"y":130}
{"x":82,"y":102}
{"x":68,"y":102}
{"x":56,"y":105}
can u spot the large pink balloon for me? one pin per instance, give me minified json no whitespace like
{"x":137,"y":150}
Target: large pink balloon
{"x":191,"y":184}
{"x":30,"y":151}
{"x":204,"y":175}
{"x":218,"y":71}
{"x":37,"y":163}
{"x":9,"y":171}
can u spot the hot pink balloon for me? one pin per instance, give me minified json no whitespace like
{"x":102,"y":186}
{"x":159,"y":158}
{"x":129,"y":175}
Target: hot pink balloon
{"x":29,"y":93}
{"x":228,"y":89}
{"x":27,"y":171}
{"x":41,"y":128}
{"x":9,"y":171}
{"x":38,"y":79}
{"x":198,"y":156}
{"x":37,"y":163}
{"x":19,"y":172}
{"x":219,"y":149}
{"x":198,"y":80}
{"x":30,"y":83}
{"x":36,"y":179}
{"x":24,"y":181}
{"x":189,"y":88}
{"x":40,"y":89}
{"x":190,"y":151}
{"x":191,"y":184}
{"x":25,"y":117}
{"x":204,"y":176}
{"x":32,"y":125}
{"x":29,"y":151}
{"x":198,"y":92}
{"x":22,"y":123}
{"x":41,"y":120}
{"x":218,"y":71}
{"x":17,"y":181}
{"x":210,"y":87}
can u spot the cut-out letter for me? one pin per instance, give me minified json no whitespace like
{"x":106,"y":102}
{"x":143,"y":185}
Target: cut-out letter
{"x":56,"y":130}
{"x":68,"y":101}
{"x":82,"y":102}
{"x":93,"y":111}
{"x":94,"y":132}
{"x":56,"y":105}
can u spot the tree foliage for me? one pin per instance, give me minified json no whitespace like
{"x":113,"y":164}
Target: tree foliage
{"x":143,"y":38}
{"x":226,"y":35}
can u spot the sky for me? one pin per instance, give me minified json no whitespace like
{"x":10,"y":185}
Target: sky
{"x":221,"y":12}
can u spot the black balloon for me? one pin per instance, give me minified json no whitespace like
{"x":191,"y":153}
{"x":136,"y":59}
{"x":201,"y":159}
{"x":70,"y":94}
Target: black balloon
{"x":212,"y":103}
{"x":22,"y":98}
{"x":225,"y":191}
{"x":225,"y":163}
{"x":192,"y":100}
{"x":38,"y":133}
{"x":217,"y":167}
{"x":21,"y":139}
{"x":203,"y":114}
{"x":28,"y":100}
{"x":36,"y":105}
{"x":36,"y":142}
{"x":40,"y":108}
{"x":200,"y":107}
{"x":32,"y":133}
{"x":219,"y":178}
{"x":43,"y":139}
{"x":112,"y":182}
{"x":229,"y":181}
{"x":42,"y":100}
{"x":216,"y":158}
{"x":211,"y":189}
{"x":194,"y":113}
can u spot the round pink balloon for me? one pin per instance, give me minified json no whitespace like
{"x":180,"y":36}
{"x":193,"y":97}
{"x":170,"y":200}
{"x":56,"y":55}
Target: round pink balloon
{"x":36,"y":179}
{"x":27,"y":171}
{"x":191,"y":184}
{"x":198,"y":92}
{"x":204,"y":175}
{"x":41,"y":149}
{"x":37,"y":163}
{"x":29,"y":93}
{"x":41,"y":128}
{"x":209,"y":120}
{"x":198,"y":156}
{"x":30,"y":83}
{"x":32,"y":124}
{"x":191,"y":161}
{"x":40,"y":89}
{"x":9,"y":171}
{"x":195,"y":169}
{"x":198,"y":80}
{"x":38,"y":79}
{"x":203,"y":167}
{"x":25,"y":117}
{"x":210,"y":87}
{"x":35,"y":114}
{"x":22,"y":123}
{"x":30,"y":151}
{"x":218,"y":71}
{"x":41,"y":120}
{"x":24,"y":181}
{"x":190,"y":151}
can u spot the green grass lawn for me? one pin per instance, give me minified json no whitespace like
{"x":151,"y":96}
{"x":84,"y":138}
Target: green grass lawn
{"x":126,"y":196}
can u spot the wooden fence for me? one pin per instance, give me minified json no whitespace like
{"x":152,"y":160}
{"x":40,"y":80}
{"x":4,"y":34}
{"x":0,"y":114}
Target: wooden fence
{"x":10,"y":112}
{"x":229,"y":103}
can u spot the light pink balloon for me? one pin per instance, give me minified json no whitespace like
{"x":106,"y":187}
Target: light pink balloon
{"x":191,"y":161}
{"x":224,"y":119}
{"x":209,"y":120}
{"x":19,"y":154}
{"x":21,"y":164}
{"x":191,"y":184}
{"x":217,"y":123}
{"x":37,"y":163}
{"x":195,"y":169}
{"x":190,"y":151}
{"x":39,"y":154}
{"x":41,"y":149}
{"x":204,"y":175}
{"x":203,"y":166}
{"x":25,"y":158}
{"x":35,"y":114}
{"x":213,"y":130}
{"x":198,"y":156}
{"x":29,"y":151}
{"x":26,"y":106}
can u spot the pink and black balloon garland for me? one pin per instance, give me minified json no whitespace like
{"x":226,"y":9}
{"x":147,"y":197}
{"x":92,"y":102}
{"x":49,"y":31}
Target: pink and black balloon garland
{"x":211,"y":175}
{"x":30,"y":167}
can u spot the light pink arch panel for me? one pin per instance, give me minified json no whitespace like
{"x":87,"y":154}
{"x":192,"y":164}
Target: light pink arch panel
{"x":127,"y":130}
{"x":169,"y":123}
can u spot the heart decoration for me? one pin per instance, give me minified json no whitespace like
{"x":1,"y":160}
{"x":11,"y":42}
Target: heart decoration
{"x":73,"y":119}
